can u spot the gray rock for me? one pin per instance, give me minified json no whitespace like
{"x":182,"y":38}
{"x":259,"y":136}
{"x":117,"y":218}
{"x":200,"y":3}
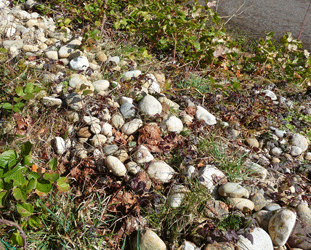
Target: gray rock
{"x":59,"y":145}
{"x":52,"y":102}
{"x":278,"y":133}
{"x":276,"y":151}
{"x":176,"y":195}
{"x":74,"y":101}
{"x":203,"y":114}
{"x":259,"y":201}
{"x":255,"y":170}
{"x":263,"y":217}
{"x":150,"y":106}
{"x":128,"y":110}
{"x":272,"y":207}
{"x":160,"y":171}
{"x":79,"y":63}
{"x":142,"y":155}
{"x":208,"y":174}
{"x":101,"y":85}
{"x":300,"y":141}
{"x":116,"y":166}
{"x":241,"y":204}
{"x":174,"y":124}
{"x":107,"y":129}
{"x":295,"y":151}
{"x":18,"y":44}
{"x":98,"y":140}
{"x":130,"y":74}
{"x":132,"y":126}
{"x":252,"y":142}
{"x":233,"y":190}
{"x":110,"y":149}
{"x":117,"y":121}
{"x":270,"y":94}
{"x":216,"y":209}
{"x":281,"y":225}
{"x":30,"y":4}
{"x":261,"y":241}
{"x":124,"y":99}
{"x":149,"y":240}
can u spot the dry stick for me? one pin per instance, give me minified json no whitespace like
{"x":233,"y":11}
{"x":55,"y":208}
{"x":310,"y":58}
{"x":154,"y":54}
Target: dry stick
{"x":303,"y":23}
{"x":13,"y":224}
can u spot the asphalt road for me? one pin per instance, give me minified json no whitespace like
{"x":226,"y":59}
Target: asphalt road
{"x":258,"y":16}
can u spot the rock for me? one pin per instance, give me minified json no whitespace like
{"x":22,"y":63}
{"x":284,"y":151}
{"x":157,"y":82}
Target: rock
{"x":308,"y":156}
{"x":114,"y":59}
{"x":149,"y":240}
{"x":209,"y":174}
{"x":216,"y":209}
{"x":278,"y":133}
{"x":101,"y":85}
{"x":233,"y":190}
{"x":272,"y":207}
{"x":30,"y":4}
{"x":220,"y":246}
{"x":101,"y":56}
{"x":261,"y":241}
{"x":133,"y":168}
{"x":107,"y":129}
{"x":270,"y":94}
{"x":259,"y":201}
{"x":79,"y":63}
{"x":128,"y":110}
{"x":110,"y":149}
{"x":160,"y":171}
{"x":142,"y":155}
{"x":187,"y":245}
{"x":95,"y":128}
{"x":276,"y":151}
{"x":281,"y":225}
{"x":174,"y":124}
{"x":177,"y":193}
{"x":124,"y":99}
{"x":252,"y":142}
{"x":74,"y":101}
{"x":300,"y":141}
{"x":295,"y":151}
{"x":263,"y":217}
{"x":53,"y":55}
{"x":84,"y":132}
{"x":130,"y":74}
{"x":255,"y":170}
{"x":203,"y":114}
{"x":59,"y":145}
{"x":98,"y":140}
{"x":117,"y":121}
{"x":73,"y":116}
{"x":66,"y":50}
{"x":150,"y":106}
{"x":170,"y":103}
{"x":89,"y":120}
{"x":241,"y":204}
{"x":116,"y":166}
{"x":52,"y":102}
{"x":122,"y":155}
{"x":76,"y":80}
{"x":190,"y":172}
{"x":30,"y":48}
{"x":132,"y":126}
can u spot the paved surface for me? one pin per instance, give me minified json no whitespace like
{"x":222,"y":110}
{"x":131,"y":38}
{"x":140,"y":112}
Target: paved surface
{"x":258,"y":16}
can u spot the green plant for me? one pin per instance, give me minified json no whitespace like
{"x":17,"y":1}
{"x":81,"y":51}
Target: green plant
{"x":21,"y":185}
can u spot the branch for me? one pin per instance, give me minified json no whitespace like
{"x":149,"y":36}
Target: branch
{"x":13,"y":224}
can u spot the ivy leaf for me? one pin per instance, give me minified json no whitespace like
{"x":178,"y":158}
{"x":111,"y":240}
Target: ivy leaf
{"x":17,"y":175}
{"x":44,"y":186}
{"x":19,"y":91}
{"x":53,"y":164}
{"x":8,"y":158}
{"x":29,"y":88}
{"x":34,"y":221}
{"x":62,"y":184}
{"x":6,"y":105}
{"x":32,"y":184}
{"x":51,"y":177}
{"x":17,"y":238}
{"x":20,"y":193}
{"x":24,"y":209}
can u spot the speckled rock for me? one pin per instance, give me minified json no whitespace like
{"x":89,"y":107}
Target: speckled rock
{"x":241,"y":204}
{"x":74,"y":101}
{"x":160,"y":171}
{"x":142,"y":155}
{"x":79,"y":63}
{"x":132,"y":126}
{"x":233,"y":190}
{"x":110,"y":149}
{"x":259,"y":201}
{"x":116,"y":166}
{"x":149,"y":240}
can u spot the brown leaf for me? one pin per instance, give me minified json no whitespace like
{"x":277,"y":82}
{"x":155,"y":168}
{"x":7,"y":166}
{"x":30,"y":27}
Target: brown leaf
{"x":21,"y":125}
{"x":191,"y":110}
{"x":119,"y":137}
{"x":150,"y":136}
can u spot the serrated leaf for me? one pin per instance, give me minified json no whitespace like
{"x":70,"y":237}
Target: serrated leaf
{"x":44,"y":186}
{"x":53,"y":164}
{"x":20,"y":194}
{"x":29,"y":88}
{"x":26,"y":148}
{"x":62,"y":184}
{"x":24,"y":209}
{"x":3,"y":195}
{"x":17,"y":175}
{"x":51,"y":177}
{"x":19,"y":91}
{"x":8,"y":158}
{"x":33,"y":175}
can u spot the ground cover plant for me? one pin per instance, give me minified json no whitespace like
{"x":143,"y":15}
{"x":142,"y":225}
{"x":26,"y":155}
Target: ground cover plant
{"x":72,"y":205}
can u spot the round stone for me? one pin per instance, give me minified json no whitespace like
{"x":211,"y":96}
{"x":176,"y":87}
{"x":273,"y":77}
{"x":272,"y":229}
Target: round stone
{"x":116,"y":166}
{"x":241,"y":204}
{"x":174,"y":124}
{"x":150,"y":106}
{"x":160,"y":171}
{"x":101,"y":85}
{"x":203,"y":114}
{"x":142,"y":155}
{"x":233,"y":190}
{"x":79,"y":63}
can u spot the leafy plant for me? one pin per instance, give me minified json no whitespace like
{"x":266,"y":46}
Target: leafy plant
{"x":22,"y":184}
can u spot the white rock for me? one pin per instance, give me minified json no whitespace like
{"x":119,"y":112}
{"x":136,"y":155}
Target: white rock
{"x":76,"y":80}
{"x":270,"y":94}
{"x":174,"y":124}
{"x":276,"y":151}
{"x":66,"y":50}
{"x":124,"y":99}
{"x":142,"y":155}
{"x":241,"y":204}
{"x":117,"y":121}
{"x":281,"y":225}
{"x":279,"y":133}
{"x":128,"y":75}
{"x":255,"y":170}
{"x":53,"y":55}
{"x":132,"y":126}
{"x":79,"y":63}
{"x":261,"y":241}
{"x":203,"y":114}
{"x":114,"y":59}
{"x":96,"y":128}
{"x":116,"y":166}
{"x":133,"y":168}
{"x":160,"y":171}
{"x":89,"y":120}
{"x":295,"y":151}
{"x":52,"y":102}
{"x":149,"y":241}
{"x":150,"y":105}
{"x":107,"y":129}
{"x":164,"y":99}
{"x":176,"y":195}
{"x":233,"y":190}
{"x":98,"y":140}
{"x":30,"y":48}
{"x":300,"y":141}
{"x":187,"y":245}
{"x":59,"y":145}
{"x":101,"y":85}
{"x":206,"y":175}
{"x":10,"y":32}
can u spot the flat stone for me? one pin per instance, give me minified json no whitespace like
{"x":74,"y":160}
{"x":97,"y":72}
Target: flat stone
{"x":259,"y":201}
{"x":142,"y":155}
{"x":59,"y":145}
{"x":130,"y":74}
{"x":128,"y":110}
{"x":278,"y":133}
{"x":132,"y":126}
{"x":252,"y":142}
{"x":84,"y":132}
{"x":98,"y":140}
{"x":125,"y":99}
{"x":208,"y":174}
{"x":116,"y":166}
{"x":281,"y":225}
{"x":149,"y":240}
{"x":270,"y":94}
{"x":272,"y":207}
{"x":101,"y":85}
{"x":89,"y":120}
{"x":114,"y":59}
{"x":30,"y":48}
{"x":107,"y":129}
{"x":110,"y":149}
{"x":117,"y":121}
{"x":241,"y":204}
{"x":150,"y":106}
{"x":79,"y":63}
{"x":261,"y":241}
{"x":255,"y":170}
{"x":203,"y":114}
{"x":52,"y":102}
{"x":174,"y":124}
{"x":216,"y":209}
{"x":233,"y":190}
{"x":160,"y":171}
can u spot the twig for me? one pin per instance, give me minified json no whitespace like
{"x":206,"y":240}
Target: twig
{"x":13,"y":224}
{"x":303,"y":23}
